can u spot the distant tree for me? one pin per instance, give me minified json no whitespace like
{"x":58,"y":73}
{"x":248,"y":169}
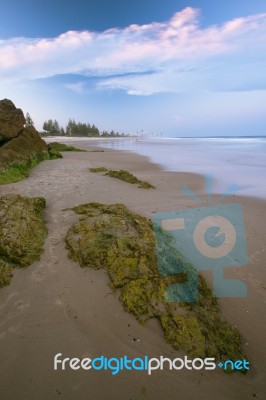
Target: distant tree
{"x":73,"y":128}
{"x":94,"y":131}
{"x":29,"y":121}
{"x":47,"y":126}
{"x":51,"y":127}
{"x":56,"y":128}
{"x":62,"y":132}
{"x":70,"y":128}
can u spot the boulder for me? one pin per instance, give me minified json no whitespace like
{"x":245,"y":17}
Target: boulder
{"x":22,"y":233}
{"x":111,"y":237}
{"x":11,"y":120}
{"x":26,"y":145}
{"x":26,"y":148}
{"x":20,"y":148}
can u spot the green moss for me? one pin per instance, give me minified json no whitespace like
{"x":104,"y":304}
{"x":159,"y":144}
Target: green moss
{"x":123,"y":243}
{"x":20,"y":154}
{"x":145,"y":185}
{"x":5,"y":273}
{"x":135,"y":297}
{"x":54,"y":154}
{"x":22,"y":232}
{"x":124,"y":176}
{"x":128,"y":177}
{"x":99,"y":169}
{"x":184,"y":332}
{"x":55,"y":146}
{"x":19,"y":170}
{"x":221,"y":337}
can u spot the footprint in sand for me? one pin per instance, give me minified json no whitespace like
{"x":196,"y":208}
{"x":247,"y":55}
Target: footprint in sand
{"x":59,"y":302}
{"x":55,"y":239}
{"x":53,"y":260}
{"x":37,"y":276}
{"x":62,"y":302}
{"x":21,"y":306}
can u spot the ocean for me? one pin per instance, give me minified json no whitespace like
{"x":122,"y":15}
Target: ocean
{"x":238,"y":163}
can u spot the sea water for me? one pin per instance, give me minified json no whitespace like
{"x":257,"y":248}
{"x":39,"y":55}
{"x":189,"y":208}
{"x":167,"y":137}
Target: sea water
{"x":240,"y":162}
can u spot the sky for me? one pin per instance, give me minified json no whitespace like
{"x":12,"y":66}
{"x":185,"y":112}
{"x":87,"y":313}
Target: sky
{"x":170,"y":67}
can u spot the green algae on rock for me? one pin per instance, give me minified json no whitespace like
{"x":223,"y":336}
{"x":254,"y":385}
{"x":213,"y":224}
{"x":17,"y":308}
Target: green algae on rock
{"x":21,"y":148}
{"x":185,"y":331}
{"x":5,"y":273}
{"x":123,"y":243}
{"x":22,"y":233}
{"x":20,"y":154}
{"x":123,"y":176}
{"x":55,"y":146}
{"x":98,"y":169}
{"x":129,"y":178}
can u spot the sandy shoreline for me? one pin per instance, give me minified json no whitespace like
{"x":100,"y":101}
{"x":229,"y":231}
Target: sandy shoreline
{"x":55,"y":306}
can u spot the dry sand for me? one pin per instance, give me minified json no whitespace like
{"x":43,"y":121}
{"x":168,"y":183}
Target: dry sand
{"x":54,"y":306}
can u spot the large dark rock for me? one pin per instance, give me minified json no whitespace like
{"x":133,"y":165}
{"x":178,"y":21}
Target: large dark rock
{"x":11,"y":120}
{"x":20,"y":148}
{"x":26,"y":147}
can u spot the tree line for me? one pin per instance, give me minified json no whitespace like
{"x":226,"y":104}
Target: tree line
{"x":73,"y":128}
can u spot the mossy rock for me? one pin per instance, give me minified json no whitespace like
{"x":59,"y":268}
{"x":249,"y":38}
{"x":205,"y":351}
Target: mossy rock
{"x":129,"y":178}
{"x":184,"y":332}
{"x":123,"y":243}
{"x":22,"y":232}
{"x":20,"y":148}
{"x":98,"y":169}
{"x":20,"y":154}
{"x":136,"y":298}
{"x":5,"y":273}
{"x":27,"y":145}
{"x":11,"y":120}
{"x":54,"y":154}
{"x":56,"y":147}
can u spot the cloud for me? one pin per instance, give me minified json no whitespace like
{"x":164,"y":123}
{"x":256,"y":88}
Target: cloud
{"x":183,"y":55}
{"x":77,"y":87}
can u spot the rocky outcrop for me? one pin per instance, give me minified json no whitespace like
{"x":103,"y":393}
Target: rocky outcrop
{"x":20,"y":148}
{"x":123,"y":243}
{"x":11,"y":120}
{"x":22,"y":233}
{"x":26,"y":146}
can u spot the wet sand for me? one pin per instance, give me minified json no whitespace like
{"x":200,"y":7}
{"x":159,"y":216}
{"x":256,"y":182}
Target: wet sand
{"x":54,"y":306}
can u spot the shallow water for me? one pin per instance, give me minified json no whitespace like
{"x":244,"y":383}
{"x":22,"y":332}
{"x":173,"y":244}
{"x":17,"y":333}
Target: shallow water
{"x":240,"y":162}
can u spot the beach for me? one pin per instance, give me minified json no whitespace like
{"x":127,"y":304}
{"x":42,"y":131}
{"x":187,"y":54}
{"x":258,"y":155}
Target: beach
{"x":237,"y":163}
{"x":54,"y":306}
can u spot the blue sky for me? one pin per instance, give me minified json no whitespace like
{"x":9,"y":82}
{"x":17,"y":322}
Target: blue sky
{"x":183,"y":68}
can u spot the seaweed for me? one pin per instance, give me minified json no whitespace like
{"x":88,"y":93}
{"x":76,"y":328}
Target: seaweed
{"x":22,"y":233}
{"x":129,"y":178}
{"x":98,"y":169}
{"x":55,"y":146}
{"x":111,"y":237}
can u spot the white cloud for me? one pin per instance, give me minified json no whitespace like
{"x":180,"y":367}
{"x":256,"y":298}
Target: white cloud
{"x":169,"y":49}
{"x":77,"y":87}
